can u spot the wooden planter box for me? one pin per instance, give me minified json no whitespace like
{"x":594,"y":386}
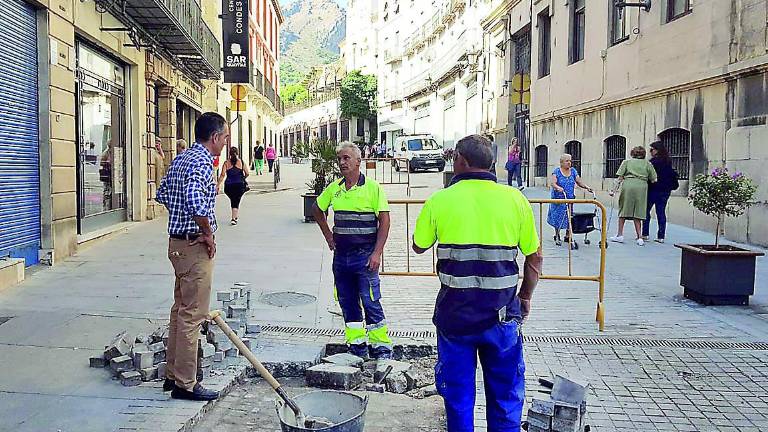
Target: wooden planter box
{"x":717,"y":277}
{"x":309,"y":202}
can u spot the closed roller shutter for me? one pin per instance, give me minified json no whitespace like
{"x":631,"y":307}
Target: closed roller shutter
{"x":19,"y":148}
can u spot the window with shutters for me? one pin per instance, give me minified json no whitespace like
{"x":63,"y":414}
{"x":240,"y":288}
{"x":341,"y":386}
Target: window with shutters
{"x":678,"y":142}
{"x":615,"y":153}
{"x":541,"y":161}
{"x":573,"y":148}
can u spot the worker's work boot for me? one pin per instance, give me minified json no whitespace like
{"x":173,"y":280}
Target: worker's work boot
{"x":360,"y":350}
{"x":380,"y":353}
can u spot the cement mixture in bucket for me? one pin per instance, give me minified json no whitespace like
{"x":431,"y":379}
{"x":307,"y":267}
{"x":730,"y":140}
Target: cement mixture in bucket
{"x":325,"y":410}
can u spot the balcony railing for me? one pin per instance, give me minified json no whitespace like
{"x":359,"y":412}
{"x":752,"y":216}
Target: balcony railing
{"x":313,"y":100}
{"x":433,"y":27}
{"x":175,"y":27}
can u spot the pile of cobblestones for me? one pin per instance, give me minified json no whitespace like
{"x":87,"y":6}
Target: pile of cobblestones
{"x":564,"y":411}
{"x":142,"y":358}
{"x":345,"y":371}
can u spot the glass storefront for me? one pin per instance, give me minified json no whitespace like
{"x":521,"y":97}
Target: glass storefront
{"x":101,"y":172}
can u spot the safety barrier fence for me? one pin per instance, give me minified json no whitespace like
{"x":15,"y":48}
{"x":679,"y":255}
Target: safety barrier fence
{"x":386,"y":172}
{"x":399,"y":262}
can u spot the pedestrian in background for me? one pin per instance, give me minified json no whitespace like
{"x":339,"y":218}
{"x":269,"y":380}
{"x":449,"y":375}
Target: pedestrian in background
{"x":563,"y":182}
{"x":514,"y":164}
{"x":271,"y":155}
{"x":495,"y":150}
{"x":360,"y":230}
{"x":159,"y":161}
{"x":234,"y":174}
{"x":181,"y":146}
{"x":258,"y":158}
{"x":634,"y":176}
{"x":659,"y":192}
{"x":189,"y":193}
{"x":480,"y":227}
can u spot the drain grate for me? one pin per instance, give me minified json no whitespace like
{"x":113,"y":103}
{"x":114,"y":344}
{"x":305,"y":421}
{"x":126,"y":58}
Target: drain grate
{"x":557,"y":340}
{"x":287,"y":298}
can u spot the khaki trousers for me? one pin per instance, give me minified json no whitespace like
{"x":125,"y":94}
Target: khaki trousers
{"x":191,"y":299}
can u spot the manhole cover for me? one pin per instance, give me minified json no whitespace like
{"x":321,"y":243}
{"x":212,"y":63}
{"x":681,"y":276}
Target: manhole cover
{"x":285,"y":299}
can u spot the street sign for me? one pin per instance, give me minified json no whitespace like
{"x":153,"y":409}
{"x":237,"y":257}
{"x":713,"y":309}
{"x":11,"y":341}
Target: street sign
{"x":239,"y":92}
{"x":236,"y":43}
{"x":238,"y":105}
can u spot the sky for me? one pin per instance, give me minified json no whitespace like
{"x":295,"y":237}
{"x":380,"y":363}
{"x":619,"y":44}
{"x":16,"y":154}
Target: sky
{"x":342,"y":3}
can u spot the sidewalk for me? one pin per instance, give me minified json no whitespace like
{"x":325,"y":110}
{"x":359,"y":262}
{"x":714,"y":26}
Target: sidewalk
{"x":661,"y":361}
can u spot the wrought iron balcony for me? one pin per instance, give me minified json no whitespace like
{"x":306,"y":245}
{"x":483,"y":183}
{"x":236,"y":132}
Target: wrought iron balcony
{"x":175,"y":27}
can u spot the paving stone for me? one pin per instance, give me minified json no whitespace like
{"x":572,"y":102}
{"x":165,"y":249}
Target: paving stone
{"x":418,"y":378}
{"x":121,"y":364}
{"x":542,"y":421}
{"x":148,"y":374}
{"x":161,"y":367}
{"x":120,"y":346}
{"x":543,"y":406}
{"x":396,"y":383}
{"x":130,"y":378}
{"x":233,"y":352}
{"x":570,"y":390}
{"x":223,"y":345}
{"x":566,"y":411}
{"x":344,"y":359}
{"x":327,"y":375}
{"x":249,"y":343}
{"x":143,"y":359}
{"x":252,"y":328}
{"x":206,"y":350}
{"x":218,"y":356}
{"x":98,"y":362}
{"x":157,"y":347}
{"x":225,"y":296}
{"x":159,"y":356}
{"x":430,"y":390}
{"x":563,"y":425}
{"x":398,"y":368}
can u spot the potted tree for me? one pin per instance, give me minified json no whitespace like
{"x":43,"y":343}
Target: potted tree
{"x":448,"y":173}
{"x":719,"y":274}
{"x":326,"y":170}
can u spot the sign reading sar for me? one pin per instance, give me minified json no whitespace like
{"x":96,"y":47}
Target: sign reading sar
{"x":237,"y":62}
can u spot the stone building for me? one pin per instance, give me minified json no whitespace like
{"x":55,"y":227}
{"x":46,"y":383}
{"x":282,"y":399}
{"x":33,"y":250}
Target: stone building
{"x":603,"y":80}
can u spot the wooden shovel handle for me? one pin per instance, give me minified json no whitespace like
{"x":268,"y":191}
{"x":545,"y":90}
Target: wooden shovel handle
{"x":215,"y":316}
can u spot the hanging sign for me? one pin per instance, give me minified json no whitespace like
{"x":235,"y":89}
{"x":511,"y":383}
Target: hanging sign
{"x":236,"y":41}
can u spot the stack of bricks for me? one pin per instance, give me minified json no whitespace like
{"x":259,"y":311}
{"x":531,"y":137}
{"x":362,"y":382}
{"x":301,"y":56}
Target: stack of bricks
{"x":563,"y":411}
{"x":236,"y":303}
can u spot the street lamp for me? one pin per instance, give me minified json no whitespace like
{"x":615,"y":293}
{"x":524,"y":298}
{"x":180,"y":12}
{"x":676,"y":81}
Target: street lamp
{"x":620,"y":5}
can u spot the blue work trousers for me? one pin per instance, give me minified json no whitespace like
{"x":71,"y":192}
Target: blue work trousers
{"x":357,"y":285}
{"x":500,"y":350}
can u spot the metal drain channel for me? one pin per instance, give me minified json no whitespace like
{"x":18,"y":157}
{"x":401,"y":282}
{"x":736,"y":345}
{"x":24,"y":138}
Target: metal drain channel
{"x":557,"y":340}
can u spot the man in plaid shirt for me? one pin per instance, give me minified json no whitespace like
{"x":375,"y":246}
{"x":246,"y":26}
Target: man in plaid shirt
{"x":189,"y":194}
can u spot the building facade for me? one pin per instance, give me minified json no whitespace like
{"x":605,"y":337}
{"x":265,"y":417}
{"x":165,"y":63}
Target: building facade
{"x":600,"y":81}
{"x":430,"y":69}
{"x":87,"y":87}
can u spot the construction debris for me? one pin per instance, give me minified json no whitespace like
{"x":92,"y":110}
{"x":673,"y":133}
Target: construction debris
{"x":563,"y":411}
{"x":138,"y":359}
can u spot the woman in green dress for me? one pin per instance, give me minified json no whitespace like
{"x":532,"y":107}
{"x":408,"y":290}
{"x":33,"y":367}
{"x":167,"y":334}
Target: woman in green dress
{"x":634,"y":176}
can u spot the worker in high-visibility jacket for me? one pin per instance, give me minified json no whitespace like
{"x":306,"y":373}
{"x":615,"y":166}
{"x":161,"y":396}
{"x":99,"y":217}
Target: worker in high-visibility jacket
{"x":480,"y":227}
{"x":360,"y":230}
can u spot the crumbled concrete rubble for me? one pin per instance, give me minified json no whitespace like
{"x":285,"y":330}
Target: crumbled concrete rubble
{"x":134,"y":359}
{"x":343,"y":371}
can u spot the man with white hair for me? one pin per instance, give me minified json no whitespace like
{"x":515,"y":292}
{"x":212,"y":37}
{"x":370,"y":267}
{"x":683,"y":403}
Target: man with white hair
{"x":360,"y":230}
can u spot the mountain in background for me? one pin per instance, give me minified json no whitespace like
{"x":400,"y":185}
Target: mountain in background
{"x":310,"y":36}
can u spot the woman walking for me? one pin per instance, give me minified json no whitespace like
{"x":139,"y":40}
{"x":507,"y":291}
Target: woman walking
{"x":235,"y":173}
{"x":563,"y":181}
{"x":634,"y":176}
{"x":514,"y":164}
{"x":271,"y":155}
{"x":258,"y":158}
{"x":659,"y":192}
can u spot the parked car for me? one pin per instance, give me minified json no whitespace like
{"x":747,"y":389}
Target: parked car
{"x":422,"y":152}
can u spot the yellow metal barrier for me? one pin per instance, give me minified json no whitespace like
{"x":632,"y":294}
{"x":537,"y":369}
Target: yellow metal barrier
{"x":385,"y":172}
{"x":599,"y":277}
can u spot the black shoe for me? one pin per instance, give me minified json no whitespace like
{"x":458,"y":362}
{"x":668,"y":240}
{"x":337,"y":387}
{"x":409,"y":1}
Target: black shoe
{"x":360,"y":350}
{"x":169,"y":385}
{"x":199,"y":393}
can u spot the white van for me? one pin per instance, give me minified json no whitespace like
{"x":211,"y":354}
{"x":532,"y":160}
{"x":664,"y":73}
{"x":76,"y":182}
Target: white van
{"x":421,"y":151}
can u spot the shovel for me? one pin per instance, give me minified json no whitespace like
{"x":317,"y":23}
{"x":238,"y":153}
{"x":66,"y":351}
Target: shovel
{"x":215,"y":316}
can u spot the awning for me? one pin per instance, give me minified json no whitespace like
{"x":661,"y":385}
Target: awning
{"x":389,"y":126}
